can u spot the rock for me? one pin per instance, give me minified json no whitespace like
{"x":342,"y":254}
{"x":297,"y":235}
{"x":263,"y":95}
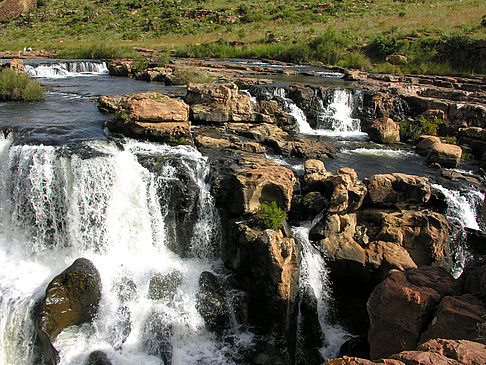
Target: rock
{"x":401,"y":306}
{"x":71,"y":298}
{"x":474,"y":277}
{"x":157,"y":335}
{"x":423,"y":358}
{"x":447,"y":155}
{"x":348,"y":193}
{"x":397,"y":189}
{"x":125,"y":288}
{"x":396,"y":59}
{"x":211,"y":302}
{"x":456,"y":318}
{"x":424,"y":144}
{"x":17,"y":65}
{"x":98,"y":358}
{"x":121,"y":328}
{"x":212,"y":143}
{"x":218,"y":103}
{"x":384,"y":130}
{"x":345,"y":360}
{"x":388,"y":256}
{"x":154,"y":107}
{"x":463,"y":351}
{"x":259,"y":180}
{"x":110,"y":104}
{"x":120,"y":67}
{"x":313,"y":203}
{"x":164,"y":286}
{"x":177,"y":132}
{"x":161,"y":74}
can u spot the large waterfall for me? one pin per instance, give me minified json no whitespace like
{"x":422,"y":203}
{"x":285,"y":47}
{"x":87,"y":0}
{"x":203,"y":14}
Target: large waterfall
{"x":111,"y":205}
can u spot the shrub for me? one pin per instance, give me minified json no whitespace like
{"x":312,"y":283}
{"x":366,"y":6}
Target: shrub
{"x":356,"y":60}
{"x":271,"y":215}
{"x":19,"y":86}
{"x":412,"y":130}
{"x":183,"y":76}
{"x":381,"y":46}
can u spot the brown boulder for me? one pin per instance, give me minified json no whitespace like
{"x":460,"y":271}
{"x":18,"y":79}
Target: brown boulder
{"x":398,"y":189}
{"x":167,"y":131}
{"x":71,"y":298}
{"x":424,"y":144}
{"x":400,"y":307}
{"x":17,"y":65}
{"x":384,"y":130}
{"x":110,"y":103}
{"x":120,"y":67}
{"x":388,"y":256}
{"x":456,"y":318}
{"x":465,"y":352}
{"x":446,"y":155}
{"x":154,"y":107}
{"x":423,"y":358}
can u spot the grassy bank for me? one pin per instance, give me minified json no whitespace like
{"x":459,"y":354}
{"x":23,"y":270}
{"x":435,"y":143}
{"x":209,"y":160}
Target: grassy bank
{"x":346,"y":33}
{"x":19,"y":87}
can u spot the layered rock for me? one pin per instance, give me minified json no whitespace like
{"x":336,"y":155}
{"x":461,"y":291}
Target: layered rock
{"x":71,"y":298}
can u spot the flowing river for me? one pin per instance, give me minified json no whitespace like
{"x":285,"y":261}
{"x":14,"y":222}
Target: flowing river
{"x":69,"y":189}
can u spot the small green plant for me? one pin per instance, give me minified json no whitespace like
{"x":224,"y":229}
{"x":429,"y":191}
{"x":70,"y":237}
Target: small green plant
{"x":140,"y":64}
{"x":176,"y":141}
{"x":19,"y":87}
{"x":271,"y":215}
{"x":451,"y":139}
{"x":411,"y":130}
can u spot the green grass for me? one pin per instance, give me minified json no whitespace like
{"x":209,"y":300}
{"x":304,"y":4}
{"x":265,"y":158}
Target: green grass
{"x":19,"y":87}
{"x":345,"y":33}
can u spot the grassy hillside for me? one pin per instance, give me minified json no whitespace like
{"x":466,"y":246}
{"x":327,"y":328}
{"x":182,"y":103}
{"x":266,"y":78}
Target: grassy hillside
{"x":346,"y":32}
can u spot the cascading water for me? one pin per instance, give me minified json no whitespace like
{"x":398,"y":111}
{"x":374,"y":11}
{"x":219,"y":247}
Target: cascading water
{"x":337,"y":115}
{"x":314,"y":283}
{"x":294,"y":111}
{"x":462,"y":212}
{"x":101,"y":203}
{"x":66,"y":69}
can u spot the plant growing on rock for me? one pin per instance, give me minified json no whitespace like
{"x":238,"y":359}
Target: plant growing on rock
{"x":271,"y":216}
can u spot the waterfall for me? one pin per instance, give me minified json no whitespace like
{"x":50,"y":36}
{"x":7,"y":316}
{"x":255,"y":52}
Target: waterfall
{"x":66,"y":69}
{"x":314,"y":282}
{"x":294,"y":111}
{"x":462,"y":212}
{"x":111,"y":205}
{"x":337,"y":115}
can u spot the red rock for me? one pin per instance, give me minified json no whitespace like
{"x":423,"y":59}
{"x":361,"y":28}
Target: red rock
{"x":423,"y":358}
{"x":466,"y":352}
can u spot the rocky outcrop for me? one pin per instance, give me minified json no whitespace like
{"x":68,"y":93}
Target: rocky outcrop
{"x":154,"y":107}
{"x":433,"y":352}
{"x":71,"y":298}
{"x":120,"y":67}
{"x":446,"y":155}
{"x":384,"y":130}
{"x":397,"y":189}
{"x":402,"y":306}
{"x":211,"y":302}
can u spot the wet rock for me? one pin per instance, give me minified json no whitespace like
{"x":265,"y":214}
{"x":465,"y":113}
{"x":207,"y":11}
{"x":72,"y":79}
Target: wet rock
{"x":456,"y":318}
{"x":384,"y":130}
{"x":157,"y":336}
{"x":164,"y":286}
{"x":120,"y":67}
{"x":211,"y":302}
{"x":446,"y":155}
{"x":120,"y":331}
{"x":125,"y":288}
{"x":98,"y":358}
{"x":398,"y":189}
{"x":71,"y":298}
{"x":401,"y":307}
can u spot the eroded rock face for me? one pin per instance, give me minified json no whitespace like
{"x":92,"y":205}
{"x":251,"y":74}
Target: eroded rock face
{"x":398,"y":189}
{"x":402,"y":305}
{"x":71,"y":299}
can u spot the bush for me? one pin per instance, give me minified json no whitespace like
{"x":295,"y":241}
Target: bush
{"x":183,"y":76}
{"x":271,"y":215}
{"x":356,"y":60}
{"x":412,"y":130}
{"x":382,"y":46}
{"x":18,"y":86}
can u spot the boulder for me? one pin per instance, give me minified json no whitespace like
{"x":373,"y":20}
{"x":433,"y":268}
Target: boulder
{"x":17,"y":65}
{"x":157,"y":336}
{"x":98,"y":358}
{"x":177,"y":132}
{"x":397,"y":189}
{"x":110,"y":104}
{"x":463,"y":351}
{"x":211,"y":302}
{"x":457,"y":318}
{"x":401,"y":306}
{"x":71,"y":298}
{"x":388,"y":256}
{"x":384,"y":130}
{"x":154,"y":107}
{"x":446,"y":155}
{"x":161,"y":74}
{"x":424,"y":144}
{"x":120,"y":67}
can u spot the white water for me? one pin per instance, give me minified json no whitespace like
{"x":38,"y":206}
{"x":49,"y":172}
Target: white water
{"x":293,"y":110}
{"x":313,"y":279}
{"x":66,"y":69}
{"x":462,"y":212}
{"x":379,"y":152}
{"x":56,"y":207}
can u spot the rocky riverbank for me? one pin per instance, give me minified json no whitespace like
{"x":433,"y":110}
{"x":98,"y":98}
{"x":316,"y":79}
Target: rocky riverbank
{"x":385,"y":238}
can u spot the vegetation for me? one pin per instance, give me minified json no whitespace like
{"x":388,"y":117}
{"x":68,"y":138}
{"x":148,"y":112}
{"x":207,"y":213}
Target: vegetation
{"x":271,"y":215}
{"x":185,"y":75}
{"x":436,"y":37}
{"x":412,"y":130}
{"x":19,"y":87}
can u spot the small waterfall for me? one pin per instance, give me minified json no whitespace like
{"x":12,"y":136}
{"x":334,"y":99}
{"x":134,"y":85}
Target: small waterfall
{"x":462,"y":212}
{"x":314,"y":282}
{"x":66,"y":69}
{"x":111,"y":206}
{"x":337,"y":115}
{"x":294,"y":111}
